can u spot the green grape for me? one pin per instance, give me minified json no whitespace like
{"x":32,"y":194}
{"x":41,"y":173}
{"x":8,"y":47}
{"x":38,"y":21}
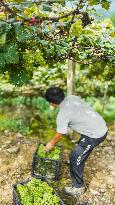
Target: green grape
{"x":37,"y":192}
{"x":32,"y":59}
{"x":46,"y":167}
{"x":22,"y":190}
{"x":76,"y":28}
{"x":53,"y":154}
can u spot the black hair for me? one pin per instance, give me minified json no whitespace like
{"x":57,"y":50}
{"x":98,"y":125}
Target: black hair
{"x":54,"y":95}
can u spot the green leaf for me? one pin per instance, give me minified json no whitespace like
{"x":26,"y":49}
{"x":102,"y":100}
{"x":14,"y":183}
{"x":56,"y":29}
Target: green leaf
{"x":83,"y":56}
{"x":46,"y":7}
{"x":2,"y":60}
{"x":3,"y":27}
{"x":12,"y":55}
{"x":105,"y":4}
{"x":23,"y":33}
{"x":3,"y":39}
{"x":20,"y":77}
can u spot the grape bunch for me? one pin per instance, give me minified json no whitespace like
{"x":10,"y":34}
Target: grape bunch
{"x":76,"y":28}
{"x":37,"y":192}
{"x":52,"y":154}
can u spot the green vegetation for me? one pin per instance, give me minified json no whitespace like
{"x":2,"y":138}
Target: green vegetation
{"x":105,"y":108}
{"x":45,"y":118}
{"x":44,"y":34}
{"x":37,"y":192}
{"x":15,"y":125}
{"x":38,"y":118}
{"x":54,"y":154}
{"x":37,"y":39}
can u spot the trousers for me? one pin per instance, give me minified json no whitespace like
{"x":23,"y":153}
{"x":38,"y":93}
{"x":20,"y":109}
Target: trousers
{"x":78,"y":157}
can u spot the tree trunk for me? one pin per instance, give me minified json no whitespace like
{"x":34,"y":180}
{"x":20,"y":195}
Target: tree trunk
{"x":71,"y":77}
{"x":71,"y":86}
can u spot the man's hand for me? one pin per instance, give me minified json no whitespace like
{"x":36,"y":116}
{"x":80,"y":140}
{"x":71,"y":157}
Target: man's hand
{"x":49,"y":146}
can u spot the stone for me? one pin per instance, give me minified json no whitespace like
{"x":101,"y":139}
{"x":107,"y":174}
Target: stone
{"x":113,"y":173}
{"x":4,"y":146}
{"x":19,"y":135}
{"x":8,"y":142}
{"x":7,"y":133}
{"x":94,"y":191}
{"x":13,"y":150}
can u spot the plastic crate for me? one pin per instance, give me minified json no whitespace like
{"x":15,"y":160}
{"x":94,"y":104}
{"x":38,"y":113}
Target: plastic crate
{"x":45,"y":167}
{"x":16,"y":200}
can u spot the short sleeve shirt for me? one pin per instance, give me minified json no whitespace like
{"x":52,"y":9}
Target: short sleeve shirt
{"x":76,"y":114}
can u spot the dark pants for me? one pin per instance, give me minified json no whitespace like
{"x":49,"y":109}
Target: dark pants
{"x":78,"y":157}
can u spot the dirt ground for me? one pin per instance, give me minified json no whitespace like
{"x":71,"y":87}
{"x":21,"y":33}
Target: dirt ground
{"x":15,"y":165}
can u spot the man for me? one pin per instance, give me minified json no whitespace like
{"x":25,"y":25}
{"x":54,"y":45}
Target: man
{"x":76,"y":114}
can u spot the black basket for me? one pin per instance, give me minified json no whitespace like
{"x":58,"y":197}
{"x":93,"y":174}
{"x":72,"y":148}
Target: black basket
{"x":16,"y":200}
{"x":45,"y":167}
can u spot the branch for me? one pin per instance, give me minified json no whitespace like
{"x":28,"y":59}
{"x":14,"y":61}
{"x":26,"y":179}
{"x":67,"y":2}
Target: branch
{"x":38,"y":2}
{"x":89,"y":61}
{"x":10,"y":10}
{"x":7,"y":8}
{"x":53,"y":19}
{"x":76,"y":11}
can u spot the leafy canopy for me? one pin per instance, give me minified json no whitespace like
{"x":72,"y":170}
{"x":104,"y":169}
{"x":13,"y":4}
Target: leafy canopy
{"x":46,"y":32}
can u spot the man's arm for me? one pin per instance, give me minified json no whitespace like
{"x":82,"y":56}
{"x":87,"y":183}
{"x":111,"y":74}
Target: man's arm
{"x":55,"y":139}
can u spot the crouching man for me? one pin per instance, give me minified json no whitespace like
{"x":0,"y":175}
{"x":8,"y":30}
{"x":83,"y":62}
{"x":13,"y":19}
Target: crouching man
{"x":76,"y":114}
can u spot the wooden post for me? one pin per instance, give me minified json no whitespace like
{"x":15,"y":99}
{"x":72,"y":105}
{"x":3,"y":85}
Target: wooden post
{"x":71,"y":77}
{"x":71,"y":86}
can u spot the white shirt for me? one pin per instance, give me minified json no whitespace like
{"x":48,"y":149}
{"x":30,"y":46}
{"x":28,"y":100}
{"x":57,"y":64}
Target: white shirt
{"x":78,"y":115}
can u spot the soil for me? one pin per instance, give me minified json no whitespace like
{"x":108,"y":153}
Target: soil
{"x":15,"y":165}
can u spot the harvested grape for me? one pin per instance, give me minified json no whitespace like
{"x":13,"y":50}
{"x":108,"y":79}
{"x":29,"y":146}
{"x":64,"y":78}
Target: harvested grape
{"x":52,"y":154}
{"x":37,"y":192}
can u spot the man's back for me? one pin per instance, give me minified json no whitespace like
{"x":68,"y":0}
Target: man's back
{"x":78,"y":115}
